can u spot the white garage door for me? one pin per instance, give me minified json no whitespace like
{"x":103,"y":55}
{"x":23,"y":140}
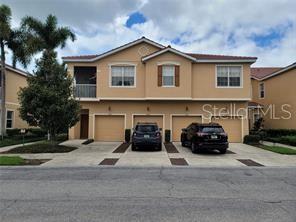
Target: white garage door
{"x":109,"y":128}
{"x":179,"y":122}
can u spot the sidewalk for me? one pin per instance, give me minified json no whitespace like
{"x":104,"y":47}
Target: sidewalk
{"x":6,"y":148}
{"x":278,"y":144}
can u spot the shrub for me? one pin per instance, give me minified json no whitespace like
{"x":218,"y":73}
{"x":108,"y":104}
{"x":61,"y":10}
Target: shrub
{"x":167,"y":136}
{"x":13,"y":132}
{"x":280,"y":132}
{"x":289,"y":140}
{"x":258,"y":124}
{"x":38,"y":132}
{"x":127,"y":135}
{"x":251,"y":139}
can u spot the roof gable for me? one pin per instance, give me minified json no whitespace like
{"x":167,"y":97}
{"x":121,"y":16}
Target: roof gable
{"x":92,"y":58}
{"x":262,"y":73}
{"x":167,"y":49}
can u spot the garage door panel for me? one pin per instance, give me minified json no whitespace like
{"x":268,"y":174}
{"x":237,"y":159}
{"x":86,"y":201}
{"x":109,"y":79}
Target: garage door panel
{"x":180,"y":122}
{"x":109,"y":128}
{"x":232,"y":126}
{"x":155,"y":119}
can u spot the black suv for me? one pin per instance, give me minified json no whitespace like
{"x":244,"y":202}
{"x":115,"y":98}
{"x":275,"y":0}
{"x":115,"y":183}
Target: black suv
{"x":146,"y":135}
{"x":209,"y":136}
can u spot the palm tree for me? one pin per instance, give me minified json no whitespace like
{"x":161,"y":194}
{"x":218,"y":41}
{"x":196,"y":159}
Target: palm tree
{"x":45,"y":37}
{"x":15,"y":41}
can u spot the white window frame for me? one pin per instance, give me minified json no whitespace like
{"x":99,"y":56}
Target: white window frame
{"x":12,"y":120}
{"x":122,"y":64}
{"x":174,"y":76}
{"x":229,"y":87}
{"x":259,"y":90}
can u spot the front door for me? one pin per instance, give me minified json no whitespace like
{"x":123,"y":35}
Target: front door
{"x":84,"y":126}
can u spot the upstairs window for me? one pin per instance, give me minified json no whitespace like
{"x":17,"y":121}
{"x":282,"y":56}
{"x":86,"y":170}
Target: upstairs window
{"x":122,"y":76}
{"x":261,"y":90}
{"x":229,"y":76}
{"x":168,"y":75}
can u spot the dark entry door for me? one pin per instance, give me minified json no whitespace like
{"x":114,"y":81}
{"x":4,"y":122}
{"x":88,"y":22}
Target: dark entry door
{"x":84,"y":126}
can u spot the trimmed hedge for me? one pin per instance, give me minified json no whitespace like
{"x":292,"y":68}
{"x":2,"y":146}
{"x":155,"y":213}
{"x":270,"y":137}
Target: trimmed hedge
{"x":280,"y":132}
{"x":288,"y":140}
{"x":31,"y":132}
{"x":252,"y":139}
{"x":167,"y":136}
{"x":127,"y":135}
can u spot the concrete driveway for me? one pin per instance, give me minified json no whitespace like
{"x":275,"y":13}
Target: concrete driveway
{"x":103,"y":153}
{"x":94,"y":153}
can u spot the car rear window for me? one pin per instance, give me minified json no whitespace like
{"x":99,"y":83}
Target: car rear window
{"x":146,"y":128}
{"x":212,"y":130}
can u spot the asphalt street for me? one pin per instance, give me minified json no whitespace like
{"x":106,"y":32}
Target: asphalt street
{"x":147,"y":194}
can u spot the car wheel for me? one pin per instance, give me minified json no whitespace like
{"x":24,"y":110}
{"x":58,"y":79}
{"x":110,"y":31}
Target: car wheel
{"x":194,"y":149}
{"x":133,"y":147}
{"x":223,"y":151}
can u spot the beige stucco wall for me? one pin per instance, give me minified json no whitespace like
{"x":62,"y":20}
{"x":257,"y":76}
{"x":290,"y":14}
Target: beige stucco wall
{"x":197,"y":81}
{"x":204,"y":83}
{"x":14,"y":82}
{"x":166,"y":108}
{"x":152,"y":88}
{"x":280,"y":94}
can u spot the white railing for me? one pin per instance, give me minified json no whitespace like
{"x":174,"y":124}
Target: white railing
{"x":85,"y":90}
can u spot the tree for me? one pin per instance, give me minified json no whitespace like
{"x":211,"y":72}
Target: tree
{"x":47,"y":101}
{"x":15,"y":40}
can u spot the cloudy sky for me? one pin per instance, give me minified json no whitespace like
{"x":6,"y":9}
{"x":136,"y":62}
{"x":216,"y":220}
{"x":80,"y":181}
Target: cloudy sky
{"x":262,"y":28}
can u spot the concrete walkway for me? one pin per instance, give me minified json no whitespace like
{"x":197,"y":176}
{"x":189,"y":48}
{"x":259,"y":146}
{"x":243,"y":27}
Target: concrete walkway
{"x":278,"y":144}
{"x":6,"y":148}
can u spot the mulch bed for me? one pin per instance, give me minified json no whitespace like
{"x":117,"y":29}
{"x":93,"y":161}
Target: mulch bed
{"x":178,"y":162}
{"x":170,"y":148}
{"x":121,"y":148}
{"x":249,"y":162}
{"x":41,"y":148}
{"x":109,"y":161}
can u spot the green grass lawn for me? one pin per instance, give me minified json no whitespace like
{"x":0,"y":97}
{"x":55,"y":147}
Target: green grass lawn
{"x":278,"y":149}
{"x":42,"y":147}
{"x":11,"y":160}
{"x":12,"y":141}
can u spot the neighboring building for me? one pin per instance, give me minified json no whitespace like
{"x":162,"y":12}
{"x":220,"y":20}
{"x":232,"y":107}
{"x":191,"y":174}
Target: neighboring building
{"x":146,"y":81}
{"x":275,"y":90}
{"x":15,"y":79}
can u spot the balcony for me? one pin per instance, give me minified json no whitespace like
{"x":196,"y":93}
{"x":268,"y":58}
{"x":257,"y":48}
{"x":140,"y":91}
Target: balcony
{"x":85,"y":90}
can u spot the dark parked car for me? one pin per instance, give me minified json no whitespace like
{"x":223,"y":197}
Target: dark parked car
{"x":146,"y":135}
{"x":209,"y":136}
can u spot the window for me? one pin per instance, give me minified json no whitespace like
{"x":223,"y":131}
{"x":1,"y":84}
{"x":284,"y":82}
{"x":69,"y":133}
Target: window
{"x":122,"y":75}
{"x":9,"y":119}
{"x":168,"y":75}
{"x":261,"y":90}
{"x":229,"y":76}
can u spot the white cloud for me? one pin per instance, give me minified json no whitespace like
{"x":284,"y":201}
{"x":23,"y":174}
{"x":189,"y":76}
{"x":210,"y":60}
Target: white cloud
{"x":220,"y":27}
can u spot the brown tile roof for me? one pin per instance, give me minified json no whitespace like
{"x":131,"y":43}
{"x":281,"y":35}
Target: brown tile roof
{"x":218,"y":57}
{"x":195,"y":55}
{"x":261,"y":72}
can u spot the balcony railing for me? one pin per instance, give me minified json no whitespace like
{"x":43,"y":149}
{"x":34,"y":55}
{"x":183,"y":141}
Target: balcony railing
{"x":85,"y":90}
